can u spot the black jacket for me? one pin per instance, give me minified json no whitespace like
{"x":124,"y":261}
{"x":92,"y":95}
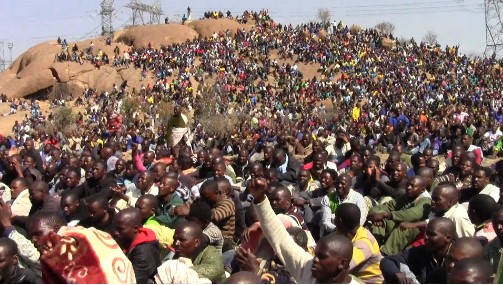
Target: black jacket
{"x":292,"y":170}
{"x":21,"y":276}
{"x":419,"y":261}
{"x":91,"y":188}
{"x":145,"y":259}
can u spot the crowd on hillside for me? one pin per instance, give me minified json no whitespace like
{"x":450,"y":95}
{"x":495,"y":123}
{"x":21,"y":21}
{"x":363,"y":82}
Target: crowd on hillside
{"x":297,"y":190}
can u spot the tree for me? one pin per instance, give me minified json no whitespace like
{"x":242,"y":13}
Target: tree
{"x":430,"y":37}
{"x":129,"y":107}
{"x":385,"y":28}
{"x":64,"y":119}
{"x":324,"y":16}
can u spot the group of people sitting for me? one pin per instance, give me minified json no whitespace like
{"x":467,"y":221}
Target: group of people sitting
{"x":153,"y":214}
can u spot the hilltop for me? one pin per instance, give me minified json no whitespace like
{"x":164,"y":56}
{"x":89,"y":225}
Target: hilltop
{"x":35,"y":71}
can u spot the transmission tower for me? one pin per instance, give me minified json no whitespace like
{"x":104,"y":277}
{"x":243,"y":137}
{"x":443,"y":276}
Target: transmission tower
{"x":155,"y":14}
{"x":494,"y":27}
{"x":139,"y":8}
{"x":10,"y":46}
{"x":2,"y":56}
{"x":106,"y":17}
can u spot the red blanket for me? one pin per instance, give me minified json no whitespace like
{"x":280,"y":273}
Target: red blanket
{"x":80,"y":255}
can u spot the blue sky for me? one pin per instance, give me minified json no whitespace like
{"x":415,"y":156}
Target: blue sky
{"x":28,"y":22}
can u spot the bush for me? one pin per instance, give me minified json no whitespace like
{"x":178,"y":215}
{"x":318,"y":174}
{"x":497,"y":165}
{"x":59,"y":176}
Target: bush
{"x":64,"y":119}
{"x":164,"y":110}
{"x":128,"y":108}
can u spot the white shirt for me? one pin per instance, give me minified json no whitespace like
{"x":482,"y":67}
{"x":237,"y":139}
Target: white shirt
{"x":134,"y":193}
{"x":493,"y":136}
{"x":352,"y":197}
{"x":21,"y":206}
{"x":195,"y":189}
{"x":492,"y":191}
{"x":459,"y":215}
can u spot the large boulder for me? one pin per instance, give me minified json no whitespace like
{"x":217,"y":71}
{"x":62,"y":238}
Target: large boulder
{"x":156,"y":35}
{"x":388,"y":43}
{"x":207,"y":27}
{"x":36,"y":70}
{"x":29,"y":84}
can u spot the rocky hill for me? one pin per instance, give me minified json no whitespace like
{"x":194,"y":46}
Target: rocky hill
{"x":36,"y":71}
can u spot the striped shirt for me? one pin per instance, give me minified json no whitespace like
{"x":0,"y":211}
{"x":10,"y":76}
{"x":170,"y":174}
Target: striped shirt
{"x":366,"y":257}
{"x":223,"y":215}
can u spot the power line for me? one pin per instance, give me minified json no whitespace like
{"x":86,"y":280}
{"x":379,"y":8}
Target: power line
{"x":431,"y":7}
{"x":398,"y":5}
{"x":417,"y":11}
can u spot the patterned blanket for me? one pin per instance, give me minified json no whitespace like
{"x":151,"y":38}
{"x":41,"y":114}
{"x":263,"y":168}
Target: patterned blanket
{"x":80,"y":255}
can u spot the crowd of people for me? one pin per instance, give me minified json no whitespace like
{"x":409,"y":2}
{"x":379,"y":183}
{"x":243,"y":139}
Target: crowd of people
{"x":373,"y":171}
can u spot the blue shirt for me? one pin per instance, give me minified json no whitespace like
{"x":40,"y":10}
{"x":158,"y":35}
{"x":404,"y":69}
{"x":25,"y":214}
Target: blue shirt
{"x":282,"y":168}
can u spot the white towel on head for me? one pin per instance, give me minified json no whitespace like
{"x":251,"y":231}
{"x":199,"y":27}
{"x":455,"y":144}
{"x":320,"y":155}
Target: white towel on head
{"x":178,"y":272}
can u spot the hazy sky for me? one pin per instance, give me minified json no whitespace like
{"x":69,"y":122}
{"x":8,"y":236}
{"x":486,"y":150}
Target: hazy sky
{"x":28,"y":22}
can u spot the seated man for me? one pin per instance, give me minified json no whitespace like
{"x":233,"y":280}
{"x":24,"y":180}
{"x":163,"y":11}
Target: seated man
{"x":423,"y":261}
{"x":70,"y":205}
{"x":138,"y":243}
{"x":20,"y":197}
{"x":461,"y":249}
{"x":366,"y":253}
{"x":189,"y":243}
{"x":147,"y":205}
{"x":480,"y":210}
{"x":472,"y":271}
{"x":144,"y":185}
{"x":289,"y":215}
{"x":166,"y":200}
{"x":200,"y":213}
{"x":412,"y":206}
{"x":480,"y":185}
{"x":11,"y":272}
{"x":342,"y":194}
{"x":396,"y":184}
{"x":492,"y":250}
{"x":99,"y":214}
{"x":444,"y":203}
{"x":223,"y":213}
{"x":41,"y":199}
{"x":81,"y":248}
{"x":333,"y":253}
{"x":288,"y":167}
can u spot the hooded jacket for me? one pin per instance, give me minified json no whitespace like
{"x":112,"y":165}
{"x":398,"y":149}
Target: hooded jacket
{"x":144,"y":255}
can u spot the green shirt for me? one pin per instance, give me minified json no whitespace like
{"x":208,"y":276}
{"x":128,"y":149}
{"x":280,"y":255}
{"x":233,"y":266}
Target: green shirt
{"x":209,"y":264}
{"x":403,"y":211}
{"x":162,"y":212}
{"x":151,"y":222}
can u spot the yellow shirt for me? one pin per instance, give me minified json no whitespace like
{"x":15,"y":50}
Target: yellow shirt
{"x":356,"y":113}
{"x":366,"y":257}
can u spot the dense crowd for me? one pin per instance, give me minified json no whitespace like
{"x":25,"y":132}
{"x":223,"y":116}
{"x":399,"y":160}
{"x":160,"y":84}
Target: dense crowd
{"x":372,"y":171}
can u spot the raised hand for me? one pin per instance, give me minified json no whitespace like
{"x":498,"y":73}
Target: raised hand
{"x":5,"y":215}
{"x":258,"y":189}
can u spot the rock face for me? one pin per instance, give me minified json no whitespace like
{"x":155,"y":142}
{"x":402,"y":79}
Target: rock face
{"x":207,"y":27}
{"x":35,"y":70}
{"x":156,"y":35}
{"x":388,"y":43}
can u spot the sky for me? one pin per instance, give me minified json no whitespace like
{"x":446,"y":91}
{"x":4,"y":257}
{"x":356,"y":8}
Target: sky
{"x":28,"y":22}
